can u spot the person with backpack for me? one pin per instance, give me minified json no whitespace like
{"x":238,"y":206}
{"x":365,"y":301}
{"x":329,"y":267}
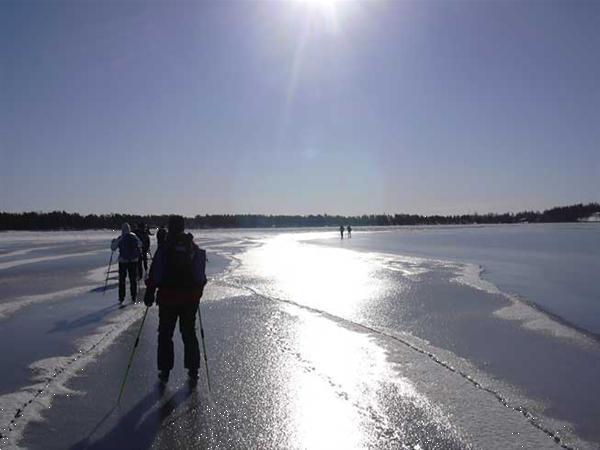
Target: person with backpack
{"x":178,"y":271}
{"x":130,"y":248}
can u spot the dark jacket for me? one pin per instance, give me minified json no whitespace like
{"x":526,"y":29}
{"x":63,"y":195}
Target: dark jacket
{"x":144,"y":237}
{"x":177,"y":295}
{"x":118,"y":243}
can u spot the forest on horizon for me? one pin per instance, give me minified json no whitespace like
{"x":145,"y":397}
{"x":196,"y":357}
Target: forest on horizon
{"x":61,"y":220}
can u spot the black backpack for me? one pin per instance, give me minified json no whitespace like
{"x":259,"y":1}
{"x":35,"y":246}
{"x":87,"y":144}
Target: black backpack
{"x":128,"y":247}
{"x":179,"y":263}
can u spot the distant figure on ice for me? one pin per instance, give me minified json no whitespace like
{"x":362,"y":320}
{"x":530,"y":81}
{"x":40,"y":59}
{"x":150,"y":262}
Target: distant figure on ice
{"x":342,"y":231}
{"x":130,"y":249}
{"x":178,"y":271}
{"x":161,"y":235}
{"x":349,"y":231}
{"x":144,"y":236}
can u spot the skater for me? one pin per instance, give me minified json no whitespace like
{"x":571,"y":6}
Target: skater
{"x":178,"y":271}
{"x":342,"y":231}
{"x":349,"y":231}
{"x":130,"y":248}
{"x":161,"y":235}
{"x":143,"y":234}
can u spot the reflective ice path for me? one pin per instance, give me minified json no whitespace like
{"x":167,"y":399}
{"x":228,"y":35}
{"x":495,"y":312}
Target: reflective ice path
{"x":306,"y":351}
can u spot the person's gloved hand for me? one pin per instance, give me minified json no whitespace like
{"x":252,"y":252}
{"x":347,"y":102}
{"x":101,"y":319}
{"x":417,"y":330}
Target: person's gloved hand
{"x":149,"y":297}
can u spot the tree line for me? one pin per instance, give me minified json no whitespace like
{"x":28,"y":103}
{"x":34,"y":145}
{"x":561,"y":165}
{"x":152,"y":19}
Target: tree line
{"x":61,"y":220}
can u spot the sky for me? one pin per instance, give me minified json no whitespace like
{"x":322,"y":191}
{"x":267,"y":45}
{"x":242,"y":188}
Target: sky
{"x":299,"y":107}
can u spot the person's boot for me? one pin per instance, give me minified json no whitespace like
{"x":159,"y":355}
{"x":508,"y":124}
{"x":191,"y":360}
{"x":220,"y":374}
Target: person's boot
{"x":163,"y":376}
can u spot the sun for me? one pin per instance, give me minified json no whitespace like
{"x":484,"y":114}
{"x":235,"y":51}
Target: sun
{"x":327,"y":10}
{"x":323,"y":6}
{"x":320,"y":2}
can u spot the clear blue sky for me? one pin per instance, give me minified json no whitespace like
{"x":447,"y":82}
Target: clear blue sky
{"x":297,"y":107}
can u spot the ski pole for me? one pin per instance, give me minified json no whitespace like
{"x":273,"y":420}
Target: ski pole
{"x":137,"y":341}
{"x":203,"y":347}
{"x":108,"y":271}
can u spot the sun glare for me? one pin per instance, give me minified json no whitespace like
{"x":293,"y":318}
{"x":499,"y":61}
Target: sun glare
{"x":326,"y":8}
{"x":322,"y":3}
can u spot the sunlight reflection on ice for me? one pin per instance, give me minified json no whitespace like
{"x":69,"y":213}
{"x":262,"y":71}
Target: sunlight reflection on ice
{"x":332,"y":383}
{"x":336,"y":279}
{"x":323,"y":419}
{"x":339,"y":385}
{"x":343,"y":386}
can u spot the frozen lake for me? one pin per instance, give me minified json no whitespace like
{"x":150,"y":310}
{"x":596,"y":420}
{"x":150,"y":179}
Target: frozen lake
{"x":448,"y":337}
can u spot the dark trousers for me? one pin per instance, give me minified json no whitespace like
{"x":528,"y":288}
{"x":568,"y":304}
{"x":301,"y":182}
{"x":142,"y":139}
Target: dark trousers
{"x":131,"y":270}
{"x":167,"y":318}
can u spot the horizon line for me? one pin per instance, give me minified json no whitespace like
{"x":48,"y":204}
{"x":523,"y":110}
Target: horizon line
{"x":597,"y":203}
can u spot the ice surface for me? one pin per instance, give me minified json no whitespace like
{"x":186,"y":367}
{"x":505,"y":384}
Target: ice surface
{"x":50,"y":375}
{"x":311,"y":343}
{"x":7,"y":265}
{"x":554,"y":266}
{"x":92,"y":279}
